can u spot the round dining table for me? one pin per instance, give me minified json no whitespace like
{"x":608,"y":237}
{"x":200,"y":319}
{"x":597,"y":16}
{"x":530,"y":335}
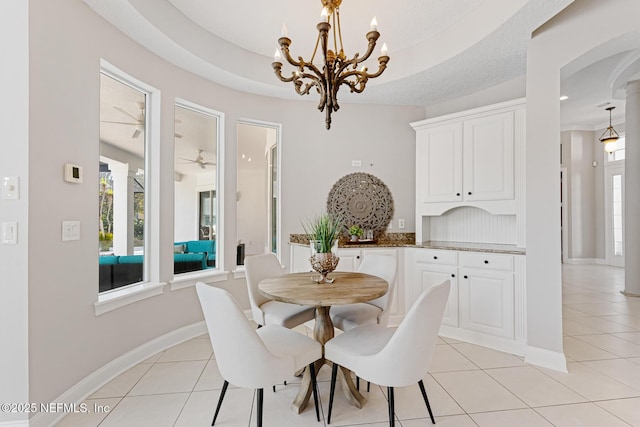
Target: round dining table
{"x":301,"y":289}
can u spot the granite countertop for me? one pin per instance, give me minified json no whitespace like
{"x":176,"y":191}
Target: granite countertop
{"x":472,"y":247}
{"x":389,"y":240}
{"x":383,"y":240}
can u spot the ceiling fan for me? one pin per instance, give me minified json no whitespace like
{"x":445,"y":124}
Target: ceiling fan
{"x":199,"y":160}
{"x":138,"y":121}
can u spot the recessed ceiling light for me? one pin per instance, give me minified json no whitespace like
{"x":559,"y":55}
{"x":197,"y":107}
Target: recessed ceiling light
{"x":563,"y":97}
{"x":243,"y":156}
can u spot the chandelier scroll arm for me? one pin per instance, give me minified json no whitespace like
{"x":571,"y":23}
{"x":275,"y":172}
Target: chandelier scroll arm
{"x":315,"y":81}
{"x":372,"y":37}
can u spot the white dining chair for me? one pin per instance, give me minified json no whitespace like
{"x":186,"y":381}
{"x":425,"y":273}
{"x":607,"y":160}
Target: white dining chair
{"x":264,"y":310}
{"x":348,"y":316}
{"x":251,"y":358}
{"x":388,"y":357}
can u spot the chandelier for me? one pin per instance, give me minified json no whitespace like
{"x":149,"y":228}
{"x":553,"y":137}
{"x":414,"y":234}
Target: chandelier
{"x":609,"y":136}
{"x":336,"y":68}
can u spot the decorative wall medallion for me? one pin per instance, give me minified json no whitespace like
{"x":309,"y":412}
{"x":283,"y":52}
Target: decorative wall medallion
{"x":361,"y":199}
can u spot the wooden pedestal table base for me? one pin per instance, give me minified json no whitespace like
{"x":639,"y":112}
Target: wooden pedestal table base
{"x":348,"y":288}
{"x":323,"y":333}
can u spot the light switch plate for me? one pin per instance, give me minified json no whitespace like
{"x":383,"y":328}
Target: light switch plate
{"x":9,"y":233}
{"x":70,"y":230}
{"x":10,"y":187}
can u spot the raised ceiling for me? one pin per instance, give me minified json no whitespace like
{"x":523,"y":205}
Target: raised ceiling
{"x":440,"y":50}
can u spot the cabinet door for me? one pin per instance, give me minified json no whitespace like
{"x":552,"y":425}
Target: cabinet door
{"x":439,"y":164}
{"x":300,"y":258}
{"x":349,"y":259}
{"x":489,"y":157}
{"x":486,"y":301}
{"x":427,"y":275}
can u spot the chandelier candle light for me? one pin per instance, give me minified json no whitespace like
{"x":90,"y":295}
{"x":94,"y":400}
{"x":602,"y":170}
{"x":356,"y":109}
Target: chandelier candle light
{"x":336,"y":69}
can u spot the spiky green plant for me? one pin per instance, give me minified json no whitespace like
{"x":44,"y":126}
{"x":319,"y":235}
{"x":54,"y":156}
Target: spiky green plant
{"x":324,"y":228}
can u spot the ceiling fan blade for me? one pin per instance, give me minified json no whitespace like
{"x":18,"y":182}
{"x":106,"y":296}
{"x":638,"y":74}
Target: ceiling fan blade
{"x":209,"y":163}
{"x":188,"y":160}
{"x":119,"y":123}
{"x":128,"y":114}
{"x":136,"y":133}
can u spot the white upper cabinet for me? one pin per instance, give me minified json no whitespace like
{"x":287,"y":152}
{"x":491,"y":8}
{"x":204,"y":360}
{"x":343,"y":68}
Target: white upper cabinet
{"x":470,"y":159}
{"x":439,"y":163}
{"x":488,"y":158}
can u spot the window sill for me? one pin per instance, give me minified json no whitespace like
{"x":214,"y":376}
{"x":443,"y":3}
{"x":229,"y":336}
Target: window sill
{"x":239,"y":272}
{"x":186,"y":280}
{"x":118,"y":298}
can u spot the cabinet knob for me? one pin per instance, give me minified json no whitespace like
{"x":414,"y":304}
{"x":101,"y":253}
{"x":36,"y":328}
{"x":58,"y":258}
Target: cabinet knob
{"x":465,"y":277}
{"x":469,"y":193}
{"x":486,"y":261}
{"x":435,"y":257}
{"x":357,"y":256}
{"x":457,"y":194}
{"x":453,"y":275}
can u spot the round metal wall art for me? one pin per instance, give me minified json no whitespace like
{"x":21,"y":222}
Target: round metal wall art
{"x":361,"y":199}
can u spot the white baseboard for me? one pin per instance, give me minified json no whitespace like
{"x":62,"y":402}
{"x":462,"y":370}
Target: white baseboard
{"x":24,"y":423}
{"x":484,"y":340}
{"x":546,"y":358}
{"x":89,"y":385}
{"x":583,"y":261}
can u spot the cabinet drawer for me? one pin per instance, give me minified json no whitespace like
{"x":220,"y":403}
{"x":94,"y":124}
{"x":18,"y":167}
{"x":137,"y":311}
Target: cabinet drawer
{"x":437,"y":256}
{"x":486,"y":260}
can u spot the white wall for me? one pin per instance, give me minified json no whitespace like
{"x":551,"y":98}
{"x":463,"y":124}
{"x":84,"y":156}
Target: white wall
{"x":564,"y":38}
{"x":186,"y":209}
{"x":578,"y":156}
{"x":67,"y":341}
{"x":14,"y":275}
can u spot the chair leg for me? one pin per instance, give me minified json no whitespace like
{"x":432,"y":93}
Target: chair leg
{"x":368,"y":386}
{"x":274,"y":388}
{"x":314,"y":385}
{"x":392,"y":419}
{"x":224,"y":390}
{"x":334,"y":374}
{"x":426,"y":400}
{"x":259,"y":418}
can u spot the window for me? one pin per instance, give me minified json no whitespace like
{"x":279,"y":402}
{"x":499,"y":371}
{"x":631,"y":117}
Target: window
{"x":121,"y":183}
{"x":258,"y":189}
{"x":616,"y":192}
{"x":196,"y":180}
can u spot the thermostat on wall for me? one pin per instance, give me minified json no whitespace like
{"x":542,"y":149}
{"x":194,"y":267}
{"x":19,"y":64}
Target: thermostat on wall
{"x":72,"y":173}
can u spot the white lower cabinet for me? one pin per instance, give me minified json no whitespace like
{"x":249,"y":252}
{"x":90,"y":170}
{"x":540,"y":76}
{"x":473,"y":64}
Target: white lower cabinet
{"x":486,"y":300}
{"x":427,"y":275}
{"x":350,"y":259}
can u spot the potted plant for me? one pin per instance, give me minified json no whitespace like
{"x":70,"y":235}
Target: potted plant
{"x":355,"y":232}
{"x":323,"y":232}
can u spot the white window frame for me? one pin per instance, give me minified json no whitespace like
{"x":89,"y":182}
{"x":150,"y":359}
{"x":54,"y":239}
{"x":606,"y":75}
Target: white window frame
{"x":150,"y":285}
{"x":217,"y":274}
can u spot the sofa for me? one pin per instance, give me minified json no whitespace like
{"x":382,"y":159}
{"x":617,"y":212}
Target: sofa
{"x":207,"y":247}
{"x":120,"y":270}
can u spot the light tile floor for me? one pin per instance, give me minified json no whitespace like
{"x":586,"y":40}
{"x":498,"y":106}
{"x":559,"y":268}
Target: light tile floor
{"x":467,"y":385}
